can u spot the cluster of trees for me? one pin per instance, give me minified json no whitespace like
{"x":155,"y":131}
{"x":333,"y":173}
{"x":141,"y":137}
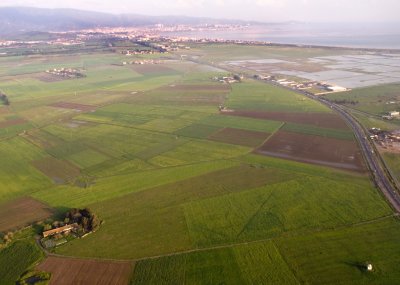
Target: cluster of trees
{"x":4,"y":99}
{"x":84,"y":218}
{"x":237,"y":77}
{"x":344,"y":101}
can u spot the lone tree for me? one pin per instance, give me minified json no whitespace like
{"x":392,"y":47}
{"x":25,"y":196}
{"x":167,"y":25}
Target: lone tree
{"x":237,"y":78}
{"x":4,"y":98}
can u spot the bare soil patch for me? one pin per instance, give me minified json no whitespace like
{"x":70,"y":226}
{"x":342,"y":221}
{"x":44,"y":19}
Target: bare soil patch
{"x":319,"y":150}
{"x":73,"y":106}
{"x":196,"y":99}
{"x":48,"y":77}
{"x":197,"y":87}
{"x":60,"y":171}
{"x":22,"y":212}
{"x":4,"y":110}
{"x":324,"y":120}
{"x":149,"y":69}
{"x":240,"y":137}
{"x":66,"y":271}
{"x":13,"y":122}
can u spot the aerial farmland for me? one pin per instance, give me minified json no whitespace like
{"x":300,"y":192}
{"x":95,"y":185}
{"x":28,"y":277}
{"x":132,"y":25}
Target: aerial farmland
{"x":195,"y":181}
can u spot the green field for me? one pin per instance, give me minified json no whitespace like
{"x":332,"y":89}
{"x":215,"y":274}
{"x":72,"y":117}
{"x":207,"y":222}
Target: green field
{"x":324,"y":132}
{"x":393,"y":161}
{"x":258,"y":96}
{"x":16,"y":259}
{"x":376,"y":100}
{"x":337,"y":257}
{"x":242,"y":123}
{"x":177,"y":184}
{"x":259,"y":263}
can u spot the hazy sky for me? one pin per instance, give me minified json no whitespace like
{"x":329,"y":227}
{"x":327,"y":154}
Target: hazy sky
{"x":262,"y":10}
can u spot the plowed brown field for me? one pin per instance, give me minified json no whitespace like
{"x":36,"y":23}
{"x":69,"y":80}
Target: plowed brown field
{"x":324,"y":120}
{"x":74,"y":106}
{"x":320,"y":150}
{"x":22,"y":212}
{"x":10,"y":123}
{"x":68,"y":271}
{"x":240,"y":137}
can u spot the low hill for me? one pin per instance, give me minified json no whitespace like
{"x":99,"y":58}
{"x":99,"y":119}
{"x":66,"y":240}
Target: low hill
{"x":26,"y":19}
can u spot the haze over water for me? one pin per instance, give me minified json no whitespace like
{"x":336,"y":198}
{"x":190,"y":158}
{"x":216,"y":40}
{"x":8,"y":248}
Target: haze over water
{"x":371,"y":35}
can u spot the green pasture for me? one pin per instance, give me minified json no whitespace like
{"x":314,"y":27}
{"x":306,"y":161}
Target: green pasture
{"x":87,"y":158}
{"x":393,"y":162}
{"x":252,"y":95}
{"x":199,"y":131}
{"x":225,"y":121}
{"x":120,"y":185}
{"x":16,"y":259}
{"x":339,"y":256}
{"x":147,"y":117}
{"x":223,"y":52}
{"x":376,"y":100}
{"x":12,"y":131}
{"x":35,"y":64}
{"x":17,"y":175}
{"x":206,"y":212}
{"x":114,"y":141}
{"x":242,"y":204}
{"x":316,"y":131}
{"x":376,"y":122}
{"x":259,"y":263}
{"x":194,"y":151}
{"x":118,"y":166}
{"x":275,"y":209}
{"x":165,"y":229}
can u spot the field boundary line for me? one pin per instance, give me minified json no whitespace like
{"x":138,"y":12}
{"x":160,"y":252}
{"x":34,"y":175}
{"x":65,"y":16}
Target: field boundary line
{"x":286,"y":262}
{"x":271,"y":135}
{"x":230,"y":245}
{"x":255,"y":214}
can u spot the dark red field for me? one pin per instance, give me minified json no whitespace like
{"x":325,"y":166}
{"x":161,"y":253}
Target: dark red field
{"x":4,"y":110}
{"x":198,"y":87}
{"x":148,"y":69}
{"x":60,"y":171}
{"x":319,"y":150}
{"x":193,"y":94}
{"x":240,"y":137}
{"x":22,"y":212}
{"x":323,"y":120}
{"x":68,"y":271}
{"x":73,"y":106}
{"x":47,"y":77}
{"x":10,"y":123}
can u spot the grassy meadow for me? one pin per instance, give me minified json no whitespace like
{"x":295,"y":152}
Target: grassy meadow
{"x":178,"y":185}
{"x":377,"y":100}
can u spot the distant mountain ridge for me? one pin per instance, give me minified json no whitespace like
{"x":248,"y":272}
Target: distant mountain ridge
{"x":27,"y":19}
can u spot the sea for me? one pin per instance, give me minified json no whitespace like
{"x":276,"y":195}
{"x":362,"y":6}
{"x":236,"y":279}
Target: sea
{"x":355,"y":35}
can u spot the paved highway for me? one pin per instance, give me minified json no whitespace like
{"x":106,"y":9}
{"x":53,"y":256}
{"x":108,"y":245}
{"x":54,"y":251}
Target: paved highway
{"x":379,"y":172}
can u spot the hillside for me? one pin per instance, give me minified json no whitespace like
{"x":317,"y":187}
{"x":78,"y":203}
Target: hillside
{"x":26,"y":19}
